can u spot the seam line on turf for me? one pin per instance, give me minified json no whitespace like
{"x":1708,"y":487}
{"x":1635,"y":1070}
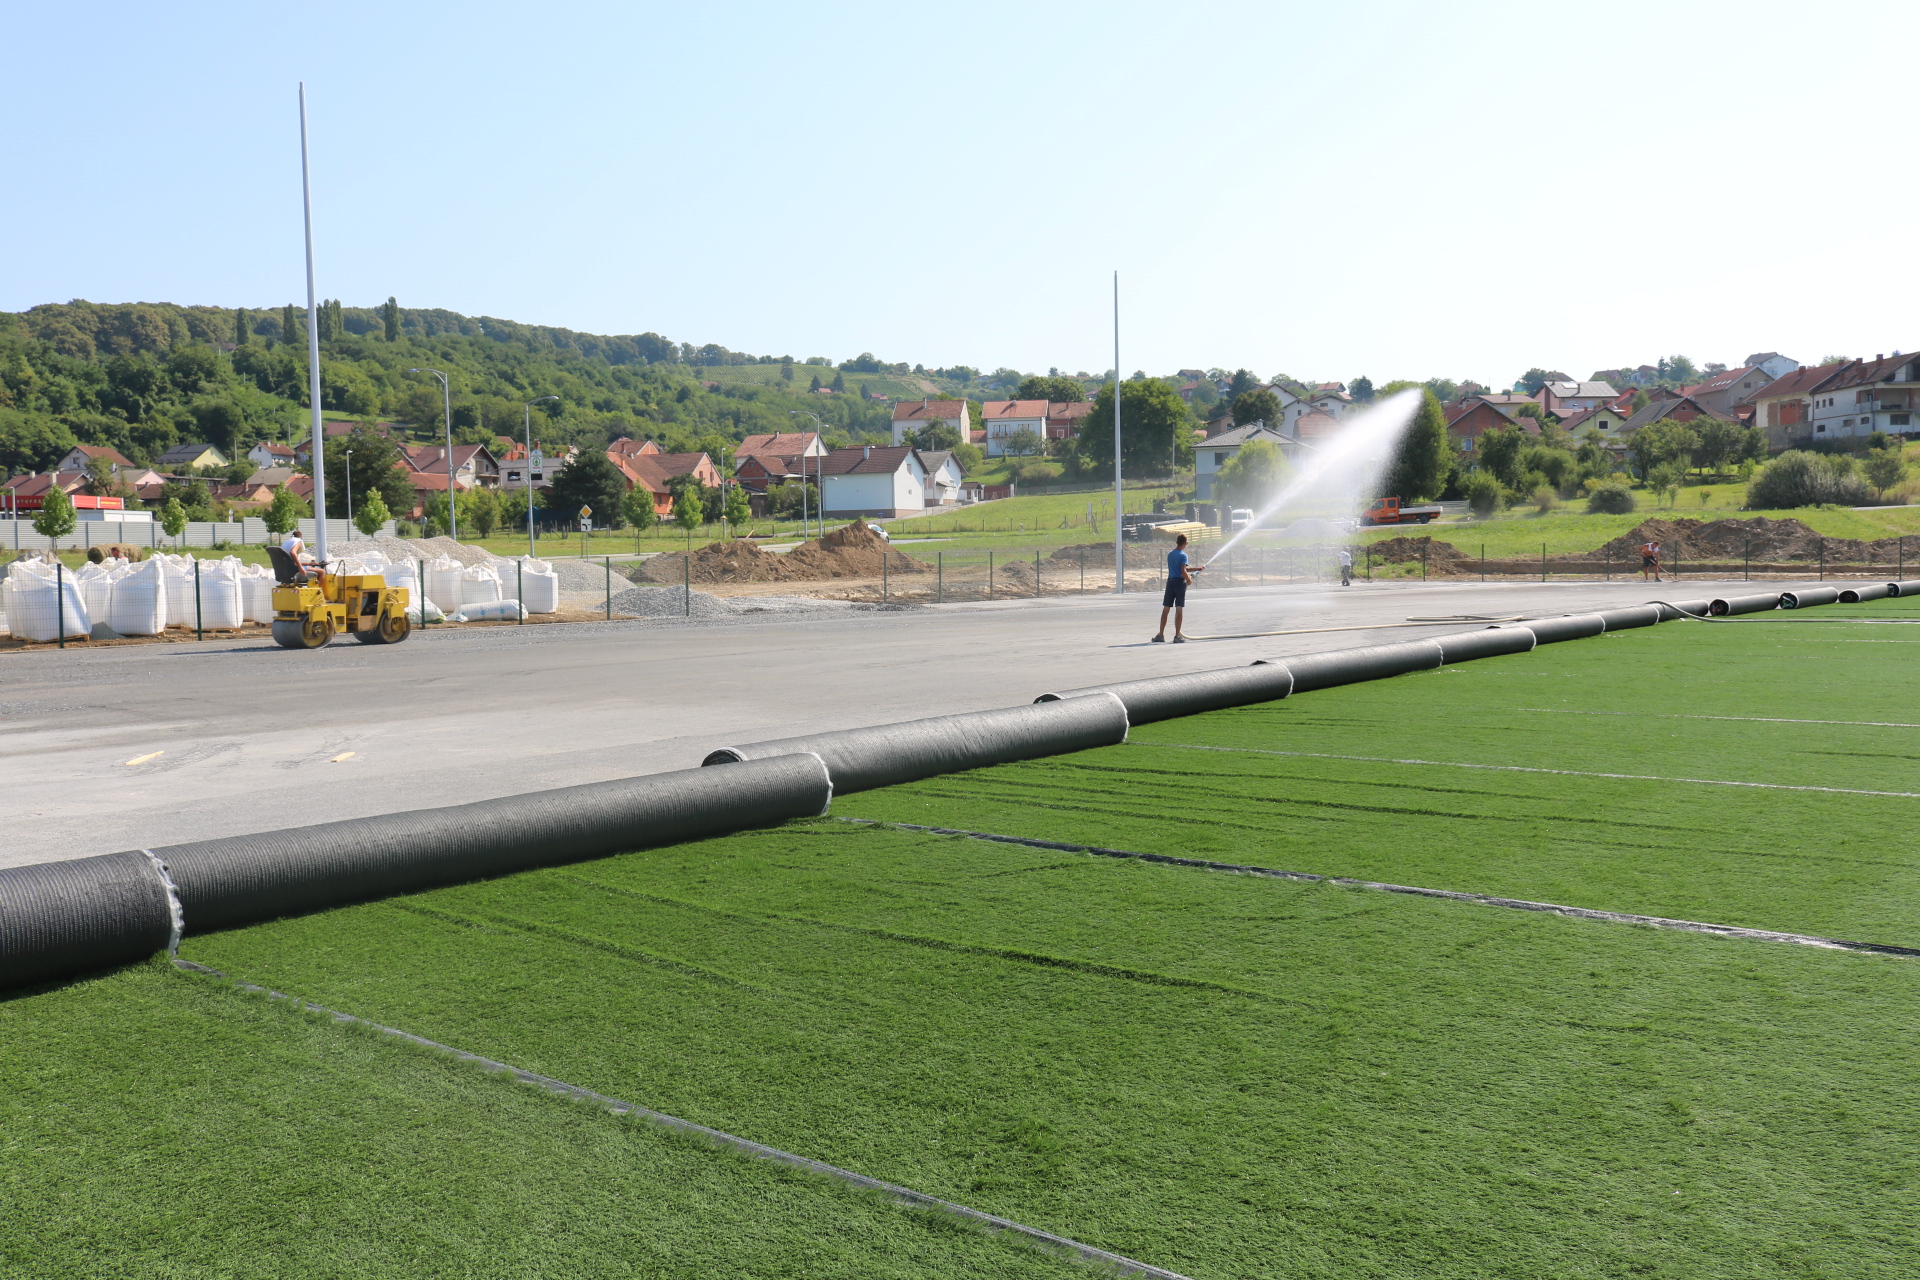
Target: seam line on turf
{"x":1524,"y":768}
{"x":906,"y":1195}
{"x":1662,"y":715}
{"x":1452,"y":895}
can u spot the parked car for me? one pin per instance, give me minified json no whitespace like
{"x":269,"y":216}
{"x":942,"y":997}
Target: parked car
{"x":1241,"y":518}
{"x":881,"y":530}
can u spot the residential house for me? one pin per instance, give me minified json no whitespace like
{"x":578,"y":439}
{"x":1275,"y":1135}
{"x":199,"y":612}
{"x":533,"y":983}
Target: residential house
{"x":626,"y":447}
{"x":1216,"y":451}
{"x":1771,"y":363}
{"x":474,"y":466}
{"x":783,"y":444}
{"x":640,"y":473}
{"x":267,"y":454}
{"x":1784,"y":407}
{"x":869,"y":481}
{"x":247,"y":494}
{"x":1606,"y":423}
{"x":1865,"y":396}
{"x":1727,"y":391}
{"x":911,"y":415}
{"x":1675,"y":408}
{"x":517,"y":471}
{"x":698,"y":465}
{"x":81,"y":455}
{"x":272,"y":477}
{"x":764,"y":472}
{"x":1563,"y":398}
{"x":1473,"y":417}
{"x":1065,"y":416}
{"x":1005,"y":419}
{"x":192,"y":457}
{"x":946,"y":482}
{"x":1329,"y":398}
{"x":29,"y":492}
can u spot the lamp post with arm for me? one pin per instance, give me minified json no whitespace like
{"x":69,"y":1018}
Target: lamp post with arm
{"x":446,"y":402}
{"x":349,"y":493}
{"x":820,"y":434}
{"x":529,"y":467}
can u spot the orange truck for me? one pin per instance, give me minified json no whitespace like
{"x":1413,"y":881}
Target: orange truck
{"x":1389,"y":511}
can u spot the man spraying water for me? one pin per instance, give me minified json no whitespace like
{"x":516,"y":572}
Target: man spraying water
{"x":1180,"y":571}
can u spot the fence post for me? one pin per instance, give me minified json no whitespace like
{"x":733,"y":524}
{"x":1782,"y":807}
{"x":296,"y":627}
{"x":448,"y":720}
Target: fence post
{"x":883,"y":576}
{"x":1036,"y":573}
{"x":523,"y":607}
{"x":1369,"y":562}
{"x":940,"y":576}
{"x":1543,"y":562}
{"x":1746,"y":561}
{"x":519,"y":588}
{"x":1483,"y":562}
{"x":60,"y":599}
{"x":1823,"y":559}
{"x":1083,"y":571}
{"x":1423,"y":561}
{"x":687,"y":574}
{"x":989,"y":575}
{"x":199,"y":632}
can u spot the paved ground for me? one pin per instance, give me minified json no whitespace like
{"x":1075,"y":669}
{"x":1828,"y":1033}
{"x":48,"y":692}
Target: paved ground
{"x":250,"y":734}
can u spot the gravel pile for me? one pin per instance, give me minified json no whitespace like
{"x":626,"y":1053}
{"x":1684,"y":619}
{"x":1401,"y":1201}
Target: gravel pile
{"x":669,"y":602}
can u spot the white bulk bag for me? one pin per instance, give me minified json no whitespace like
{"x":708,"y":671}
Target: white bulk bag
{"x":38,"y":598}
{"x":491,"y":611}
{"x":96,"y":588}
{"x":139,"y":604}
{"x":179,"y":576}
{"x":259,"y":589}
{"x":533,"y":583}
{"x":221,"y":604}
{"x":478,"y":585}
{"x":443,"y":583}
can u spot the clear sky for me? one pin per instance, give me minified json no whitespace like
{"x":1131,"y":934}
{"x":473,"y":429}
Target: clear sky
{"x":1326,"y":190}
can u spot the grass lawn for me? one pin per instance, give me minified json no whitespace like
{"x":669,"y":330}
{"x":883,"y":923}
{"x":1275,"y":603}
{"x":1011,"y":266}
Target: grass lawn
{"x":1224,"y":1075}
{"x":1570,"y":529}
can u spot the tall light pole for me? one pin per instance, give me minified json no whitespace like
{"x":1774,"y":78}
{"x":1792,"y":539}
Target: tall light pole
{"x":349,"y":493}
{"x":1119,"y":552}
{"x":446,"y":402}
{"x":313,"y":348}
{"x":820,"y":434}
{"x":529,"y":469}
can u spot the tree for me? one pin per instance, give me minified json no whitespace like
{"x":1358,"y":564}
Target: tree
{"x":1499,"y":451}
{"x":375,"y":466}
{"x":969,"y":456}
{"x":1610,"y":497}
{"x":738,"y":510}
{"x":31,"y":441}
{"x":1444,"y":389}
{"x":1252,"y":476}
{"x":173,"y":518}
{"x":1361,"y":389}
{"x":1484,"y":493}
{"x":372,"y":514}
{"x":1720,"y":443}
{"x":814,"y":385}
{"x":1800,"y":479}
{"x":104,"y":482}
{"x":1664,"y":478}
{"x":1238,"y":385}
{"x":1024,"y":443}
{"x":55,"y":519}
{"x":1156,"y":431}
{"x":935,"y":437}
{"x":638,"y":507}
{"x":241,"y":336}
{"x":1640,"y":400}
{"x":289,"y":327}
{"x":1884,"y":469}
{"x":1259,"y":405}
{"x":1424,"y":456}
{"x":1664,"y":441}
{"x":1535,"y":378}
{"x":839,"y":381}
{"x":390,"y":320}
{"x":284,"y":513}
{"x":786,"y":370}
{"x":1052,"y":388}
{"x":480,"y":511}
{"x":590,"y":480}
{"x":688,"y":509}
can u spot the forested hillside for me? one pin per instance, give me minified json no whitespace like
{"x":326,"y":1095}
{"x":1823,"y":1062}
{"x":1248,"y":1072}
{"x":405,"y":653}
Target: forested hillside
{"x":141,"y":377}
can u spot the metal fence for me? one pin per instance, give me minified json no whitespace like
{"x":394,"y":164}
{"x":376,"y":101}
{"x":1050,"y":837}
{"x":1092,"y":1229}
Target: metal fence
{"x":20,"y":535}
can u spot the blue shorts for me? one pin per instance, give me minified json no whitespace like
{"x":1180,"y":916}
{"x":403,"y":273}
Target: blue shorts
{"x":1176,"y":596}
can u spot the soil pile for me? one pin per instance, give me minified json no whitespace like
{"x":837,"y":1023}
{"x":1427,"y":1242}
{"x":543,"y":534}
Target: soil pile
{"x":1758,"y":537}
{"x":1402,"y":549}
{"x":853,"y":552}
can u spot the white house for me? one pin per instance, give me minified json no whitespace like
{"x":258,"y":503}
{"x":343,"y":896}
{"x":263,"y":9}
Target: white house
{"x":266,"y":454}
{"x":1562,"y":399}
{"x":911,"y":415}
{"x":1865,"y":396}
{"x":1330,"y":398}
{"x":886,"y":481}
{"x":1211,"y":454}
{"x":944,"y":478}
{"x":81,"y":455}
{"x":1004,"y":419}
{"x":1772,"y":363}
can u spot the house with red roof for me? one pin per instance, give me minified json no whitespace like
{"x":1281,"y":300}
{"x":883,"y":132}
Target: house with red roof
{"x":1728,"y":390}
{"x":1784,"y":407}
{"x":1473,"y":417}
{"x":1004,"y":420}
{"x":1865,"y":396}
{"x":1562,"y":399}
{"x":474,"y":466}
{"x":1065,"y":416}
{"x":81,"y":454}
{"x":785,"y":444}
{"x":911,"y":415}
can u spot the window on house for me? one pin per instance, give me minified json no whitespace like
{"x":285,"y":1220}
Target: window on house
{"x":1899,"y":419}
{"x":1821,"y":427}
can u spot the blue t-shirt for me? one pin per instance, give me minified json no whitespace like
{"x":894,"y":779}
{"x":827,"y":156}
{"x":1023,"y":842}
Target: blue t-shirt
{"x":1176,"y":562}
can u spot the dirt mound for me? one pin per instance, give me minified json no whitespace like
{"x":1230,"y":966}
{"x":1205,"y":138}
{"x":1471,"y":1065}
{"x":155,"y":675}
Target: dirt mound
{"x":1757,"y":537}
{"x":1403,"y":548}
{"x":853,"y":552}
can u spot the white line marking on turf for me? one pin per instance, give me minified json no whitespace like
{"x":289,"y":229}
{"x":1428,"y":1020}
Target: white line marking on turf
{"x":1522,"y":768}
{"x":1662,"y":715}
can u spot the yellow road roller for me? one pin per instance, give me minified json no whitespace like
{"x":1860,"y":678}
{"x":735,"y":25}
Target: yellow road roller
{"x":311,"y":606}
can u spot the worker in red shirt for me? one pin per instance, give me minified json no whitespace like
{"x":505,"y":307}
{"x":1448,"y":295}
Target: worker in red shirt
{"x":1649,"y":560}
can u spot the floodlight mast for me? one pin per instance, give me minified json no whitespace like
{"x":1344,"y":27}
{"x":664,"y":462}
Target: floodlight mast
{"x":528,"y":407}
{"x":819,"y":435}
{"x":1119,"y":552}
{"x":446,"y":401}
{"x":313,"y":351}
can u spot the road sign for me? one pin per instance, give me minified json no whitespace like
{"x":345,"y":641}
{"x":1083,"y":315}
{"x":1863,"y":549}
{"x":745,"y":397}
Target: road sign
{"x":585,"y":511}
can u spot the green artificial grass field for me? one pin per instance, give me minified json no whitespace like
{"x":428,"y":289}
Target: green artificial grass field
{"x":1224,"y":1075}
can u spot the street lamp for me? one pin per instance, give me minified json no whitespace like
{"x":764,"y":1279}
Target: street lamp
{"x":803,"y":475}
{"x":529,"y":469}
{"x":349,"y":493}
{"x":446,"y":400}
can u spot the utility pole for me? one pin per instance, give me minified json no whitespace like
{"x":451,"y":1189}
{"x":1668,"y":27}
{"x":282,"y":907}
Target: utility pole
{"x":1119,"y":552}
{"x":313,"y":351}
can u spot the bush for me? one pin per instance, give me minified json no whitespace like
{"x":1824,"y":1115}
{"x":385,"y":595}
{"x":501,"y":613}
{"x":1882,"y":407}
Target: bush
{"x":1611,"y":497}
{"x":1801,"y":479}
{"x":1483,"y":494}
{"x":1544,"y":499}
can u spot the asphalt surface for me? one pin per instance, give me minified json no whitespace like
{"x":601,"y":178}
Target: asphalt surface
{"x":235,"y":738}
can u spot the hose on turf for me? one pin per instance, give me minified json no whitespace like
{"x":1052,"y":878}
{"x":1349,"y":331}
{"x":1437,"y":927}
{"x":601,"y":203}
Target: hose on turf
{"x":61,"y":918}
{"x":883,"y":755}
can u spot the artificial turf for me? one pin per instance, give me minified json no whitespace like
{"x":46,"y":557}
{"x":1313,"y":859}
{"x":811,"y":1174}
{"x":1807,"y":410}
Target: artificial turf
{"x":1229,"y":1076}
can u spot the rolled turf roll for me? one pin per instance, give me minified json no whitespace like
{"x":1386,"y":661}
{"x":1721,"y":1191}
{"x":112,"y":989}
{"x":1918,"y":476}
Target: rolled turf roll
{"x":62,"y":918}
{"x":1674,"y":610}
{"x":1873,"y":591}
{"x":1763,"y":602}
{"x":1464,"y":646}
{"x":861,"y":759}
{"x":246,"y":878}
{"x":1639,"y":615}
{"x":1574,"y":626}
{"x":1164,"y":697}
{"x":1903,"y":589}
{"x":1809,"y":598}
{"x":1350,"y":666}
